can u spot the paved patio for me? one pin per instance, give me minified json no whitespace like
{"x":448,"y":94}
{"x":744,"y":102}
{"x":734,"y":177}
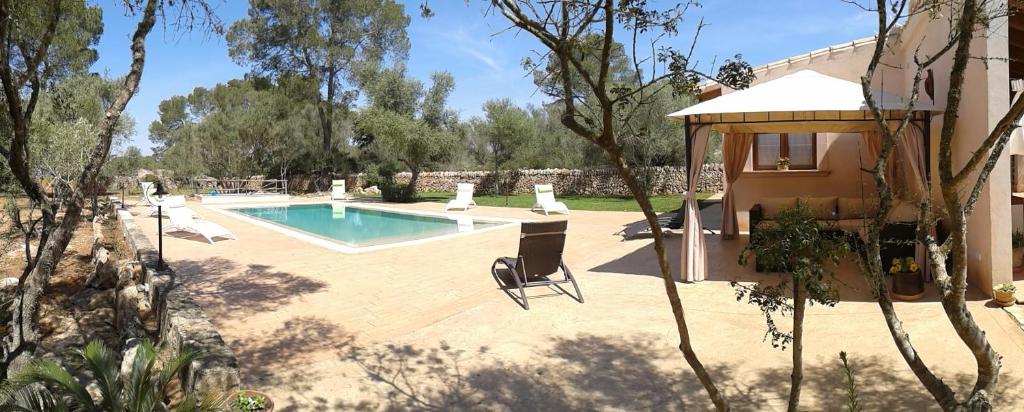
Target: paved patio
{"x":425,"y":327}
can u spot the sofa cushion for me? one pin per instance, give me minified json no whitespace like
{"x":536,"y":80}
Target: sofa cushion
{"x":771,"y":206}
{"x":857,"y":208}
{"x":824,"y":208}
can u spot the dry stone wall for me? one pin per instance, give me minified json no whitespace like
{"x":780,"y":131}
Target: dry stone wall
{"x":603,"y":182}
{"x":182,"y":323}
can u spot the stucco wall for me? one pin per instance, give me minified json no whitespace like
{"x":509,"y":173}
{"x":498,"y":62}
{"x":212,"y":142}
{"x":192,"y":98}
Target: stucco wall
{"x":985,"y":100}
{"x":840,"y":156}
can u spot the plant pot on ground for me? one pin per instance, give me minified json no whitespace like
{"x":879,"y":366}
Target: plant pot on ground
{"x":907,"y":280}
{"x":1003,"y":294}
{"x":1018,"y":249}
{"x":252,"y":401}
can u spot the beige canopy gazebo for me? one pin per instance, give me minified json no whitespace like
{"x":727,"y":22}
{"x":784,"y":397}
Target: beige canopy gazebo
{"x":804,"y":101}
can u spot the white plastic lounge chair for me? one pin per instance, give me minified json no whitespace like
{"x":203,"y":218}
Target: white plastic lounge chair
{"x":463,"y":198}
{"x":338,"y":190}
{"x":149,"y":195}
{"x":185,"y":220}
{"x":546,"y":200}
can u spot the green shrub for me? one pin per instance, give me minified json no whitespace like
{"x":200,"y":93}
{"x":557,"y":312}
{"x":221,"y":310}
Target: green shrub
{"x":149,"y":177}
{"x":1018,"y":239}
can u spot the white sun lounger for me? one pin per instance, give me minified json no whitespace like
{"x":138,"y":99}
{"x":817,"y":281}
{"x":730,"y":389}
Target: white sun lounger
{"x":148,"y":195}
{"x":546,"y":200}
{"x":185,"y":220}
{"x":338,"y":190}
{"x":463,"y":198}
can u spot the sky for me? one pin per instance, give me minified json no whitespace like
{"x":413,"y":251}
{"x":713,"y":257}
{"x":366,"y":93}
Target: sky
{"x":484,"y":58}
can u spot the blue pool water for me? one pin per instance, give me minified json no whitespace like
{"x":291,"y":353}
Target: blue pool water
{"x":358,"y":227}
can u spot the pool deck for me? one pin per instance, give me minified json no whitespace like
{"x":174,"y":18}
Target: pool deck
{"x":425,"y":327}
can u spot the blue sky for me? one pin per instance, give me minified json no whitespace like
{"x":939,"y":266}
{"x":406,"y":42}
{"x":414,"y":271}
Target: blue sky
{"x":484,"y":59}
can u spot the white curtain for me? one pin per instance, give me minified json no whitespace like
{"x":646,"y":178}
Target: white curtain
{"x":694,"y":258}
{"x":735,"y":149}
{"x":910,"y":154}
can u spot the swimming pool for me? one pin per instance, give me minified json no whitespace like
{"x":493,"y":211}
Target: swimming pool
{"x":358,"y":227}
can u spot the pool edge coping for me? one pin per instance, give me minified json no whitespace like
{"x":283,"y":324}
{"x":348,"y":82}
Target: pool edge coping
{"x":339,"y":247}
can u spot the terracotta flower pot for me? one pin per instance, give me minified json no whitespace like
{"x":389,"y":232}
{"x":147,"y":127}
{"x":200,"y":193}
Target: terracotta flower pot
{"x":268,"y":403}
{"x":1018,"y":257}
{"x":1003,"y":298}
{"x":907,"y":286}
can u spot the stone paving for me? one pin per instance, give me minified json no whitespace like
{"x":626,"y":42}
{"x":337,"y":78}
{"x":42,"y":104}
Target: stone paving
{"x":425,"y":327}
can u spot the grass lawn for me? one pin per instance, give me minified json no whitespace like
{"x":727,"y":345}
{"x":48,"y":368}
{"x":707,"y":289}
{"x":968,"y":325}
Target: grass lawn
{"x":661,"y":204}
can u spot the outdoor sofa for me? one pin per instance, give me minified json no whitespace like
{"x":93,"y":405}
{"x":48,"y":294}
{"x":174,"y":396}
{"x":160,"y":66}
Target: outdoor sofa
{"x":847,"y":217}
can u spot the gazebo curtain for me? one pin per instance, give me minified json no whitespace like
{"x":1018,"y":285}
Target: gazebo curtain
{"x":694,"y":259}
{"x":906,"y":173}
{"x":735,"y":150}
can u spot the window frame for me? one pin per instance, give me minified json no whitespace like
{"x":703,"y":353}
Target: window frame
{"x":784,"y":152}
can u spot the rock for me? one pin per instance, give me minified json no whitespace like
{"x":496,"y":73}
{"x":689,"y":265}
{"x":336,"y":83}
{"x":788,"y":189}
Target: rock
{"x":373,"y":190}
{"x":128,"y":273}
{"x":127,"y":316}
{"x":8,"y":284}
{"x":131,"y":349}
{"x":105,"y":275}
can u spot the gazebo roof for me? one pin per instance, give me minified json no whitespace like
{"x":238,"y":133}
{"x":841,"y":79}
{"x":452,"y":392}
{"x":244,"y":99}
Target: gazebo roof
{"x":801,"y":97}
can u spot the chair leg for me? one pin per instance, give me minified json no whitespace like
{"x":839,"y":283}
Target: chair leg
{"x":571,"y":278}
{"x":522,"y":293}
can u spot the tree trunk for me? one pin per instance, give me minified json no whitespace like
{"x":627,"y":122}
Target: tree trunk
{"x":410,"y":189}
{"x":721,"y":403}
{"x":325,"y":109}
{"x":797,"y":376}
{"x":19,"y":347}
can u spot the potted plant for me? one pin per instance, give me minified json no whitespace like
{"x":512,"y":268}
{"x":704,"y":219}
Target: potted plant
{"x":1018,"y":249}
{"x":252,"y":401}
{"x":907,"y":282}
{"x":782,"y":163}
{"x":1003,"y":294}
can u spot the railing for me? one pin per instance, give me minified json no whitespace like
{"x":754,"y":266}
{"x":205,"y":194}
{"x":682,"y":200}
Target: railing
{"x":240,"y":186}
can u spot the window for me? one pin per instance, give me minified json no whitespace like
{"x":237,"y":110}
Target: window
{"x":800,"y":148}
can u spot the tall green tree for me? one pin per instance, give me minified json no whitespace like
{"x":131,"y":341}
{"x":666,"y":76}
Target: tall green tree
{"x":580,"y":40}
{"x":407,"y":124}
{"x":506,"y":129}
{"x":240,"y":128}
{"x":326,"y":42}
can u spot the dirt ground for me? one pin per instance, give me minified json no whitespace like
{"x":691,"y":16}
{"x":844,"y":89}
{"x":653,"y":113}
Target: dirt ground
{"x":71,"y":314}
{"x":425,"y":327}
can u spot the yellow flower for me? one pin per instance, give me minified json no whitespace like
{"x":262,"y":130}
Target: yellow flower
{"x":894,"y":269}
{"x":895,"y":261}
{"x":911,"y":261}
{"x":913,"y":267}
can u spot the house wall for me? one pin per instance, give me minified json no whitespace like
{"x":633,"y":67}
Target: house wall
{"x":985,"y":100}
{"x":841,"y":156}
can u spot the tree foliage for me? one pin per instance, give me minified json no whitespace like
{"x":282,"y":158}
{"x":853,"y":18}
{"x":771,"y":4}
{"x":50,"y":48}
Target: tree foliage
{"x":407,"y":124}
{"x":325,"y":42}
{"x":797,"y":245}
{"x":238,"y":129}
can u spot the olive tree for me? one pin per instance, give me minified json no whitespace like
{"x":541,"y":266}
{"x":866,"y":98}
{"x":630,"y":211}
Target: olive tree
{"x":961,"y":181}
{"x":578,"y":37}
{"x":42,"y":42}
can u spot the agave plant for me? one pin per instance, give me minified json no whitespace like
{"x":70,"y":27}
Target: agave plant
{"x":44,"y":385}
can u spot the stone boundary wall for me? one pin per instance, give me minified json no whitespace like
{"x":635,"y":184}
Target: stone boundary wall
{"x":183,"y":325}
{"x":606,"y":182}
